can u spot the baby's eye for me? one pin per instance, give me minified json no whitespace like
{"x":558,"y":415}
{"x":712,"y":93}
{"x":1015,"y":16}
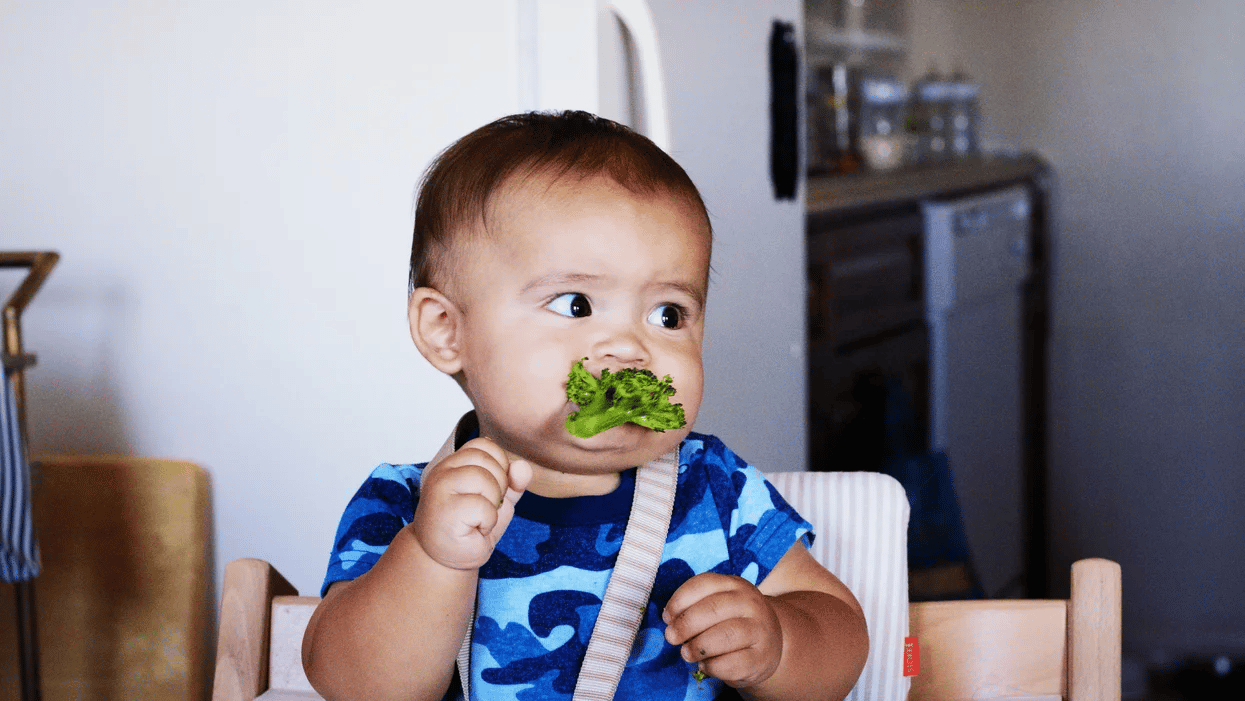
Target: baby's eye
{"x":669,"y":316}
{"x":572,"y":304}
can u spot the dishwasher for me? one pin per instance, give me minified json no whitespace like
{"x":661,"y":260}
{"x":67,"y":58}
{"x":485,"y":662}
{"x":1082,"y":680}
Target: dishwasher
{"x":976,"y":261}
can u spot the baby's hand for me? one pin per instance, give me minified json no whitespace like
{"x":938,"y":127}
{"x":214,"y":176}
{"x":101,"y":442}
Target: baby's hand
{"x":728,"y":626}
{"x":466,"y":501}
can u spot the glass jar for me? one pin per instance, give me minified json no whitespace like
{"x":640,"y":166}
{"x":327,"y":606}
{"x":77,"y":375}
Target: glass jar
{"x":932,"y":117}
{"x":829,"y":144}
{"x":882,"y":138}
{"x":963,"y":116}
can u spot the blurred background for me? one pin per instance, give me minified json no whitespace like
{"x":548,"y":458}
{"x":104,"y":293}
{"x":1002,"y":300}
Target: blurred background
{"x":230,"y":188}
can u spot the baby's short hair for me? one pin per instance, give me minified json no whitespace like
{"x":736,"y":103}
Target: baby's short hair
{"x":456,"y":190}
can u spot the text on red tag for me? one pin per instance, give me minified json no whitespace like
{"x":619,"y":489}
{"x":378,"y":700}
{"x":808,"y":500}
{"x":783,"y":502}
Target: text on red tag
{"x":911,"y":656}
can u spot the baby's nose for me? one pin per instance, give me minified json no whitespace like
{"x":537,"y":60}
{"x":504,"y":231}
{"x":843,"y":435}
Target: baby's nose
{"x":624,"y":348}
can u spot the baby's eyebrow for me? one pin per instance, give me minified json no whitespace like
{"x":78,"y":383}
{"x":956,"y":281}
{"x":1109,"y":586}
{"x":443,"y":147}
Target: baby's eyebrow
{"x":568,"y":280}
{"x":560,"y":280}
{"x":696,"y":292}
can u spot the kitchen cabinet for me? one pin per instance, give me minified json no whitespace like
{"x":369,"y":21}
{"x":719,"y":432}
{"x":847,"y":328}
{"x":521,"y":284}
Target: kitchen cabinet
{"x":867,"y":322}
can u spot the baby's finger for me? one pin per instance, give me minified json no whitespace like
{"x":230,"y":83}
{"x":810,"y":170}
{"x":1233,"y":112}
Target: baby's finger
{"x":489,"y":446}
{"x":712,"y":610}
{"x":697,"y":588}
{"x":720,"y":639}
{"x":520,"y":474}
{"x":694,"y":590}
{"x":741,"y":667}
{"x":477,"y":512}
{"x":488,"y":455}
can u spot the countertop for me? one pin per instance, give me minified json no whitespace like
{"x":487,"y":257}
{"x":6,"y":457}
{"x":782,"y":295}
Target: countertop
{"x":866,"y":190}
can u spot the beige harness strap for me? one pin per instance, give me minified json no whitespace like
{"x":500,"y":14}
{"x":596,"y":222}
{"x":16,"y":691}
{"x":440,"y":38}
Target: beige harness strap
{"x":626,"y":596}
{"x":631,"y":582}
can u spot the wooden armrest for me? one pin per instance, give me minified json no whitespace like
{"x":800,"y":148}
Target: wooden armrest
{"x":1024,"y":649}
{"x":245,"y":616}
{"x":985,"y":649}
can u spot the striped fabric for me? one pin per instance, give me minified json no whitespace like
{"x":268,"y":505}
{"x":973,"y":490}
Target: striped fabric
{"x":19,"y":554}
{"x":861,"y":523}
{"x":626,"y":596}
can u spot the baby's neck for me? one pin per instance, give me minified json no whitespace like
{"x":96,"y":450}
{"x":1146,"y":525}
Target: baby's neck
{"x":562,"y":485}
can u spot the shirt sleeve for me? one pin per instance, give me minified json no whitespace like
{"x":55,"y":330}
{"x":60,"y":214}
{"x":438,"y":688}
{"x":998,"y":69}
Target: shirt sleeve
{"x":382,"y":507}
{"x":760,"y":525}
{"x":768,"y":525}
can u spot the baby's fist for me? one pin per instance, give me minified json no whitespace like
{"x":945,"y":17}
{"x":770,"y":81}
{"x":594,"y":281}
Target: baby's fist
{"x":466,"y":502}
{"x":726,"y":625}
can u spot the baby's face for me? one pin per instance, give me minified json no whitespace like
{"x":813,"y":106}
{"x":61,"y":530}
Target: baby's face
{"x":575,"y":269}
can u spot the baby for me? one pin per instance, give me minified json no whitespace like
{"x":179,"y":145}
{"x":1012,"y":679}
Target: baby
{"x":540,"y":240}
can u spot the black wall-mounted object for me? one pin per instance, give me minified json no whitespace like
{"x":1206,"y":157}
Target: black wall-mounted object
{"x":784,"y":110}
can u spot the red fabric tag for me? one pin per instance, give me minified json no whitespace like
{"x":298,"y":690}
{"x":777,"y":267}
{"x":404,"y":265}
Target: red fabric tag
{"x":911,"y":656}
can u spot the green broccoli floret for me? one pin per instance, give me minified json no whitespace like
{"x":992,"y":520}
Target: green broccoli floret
{"x":630,"y":395}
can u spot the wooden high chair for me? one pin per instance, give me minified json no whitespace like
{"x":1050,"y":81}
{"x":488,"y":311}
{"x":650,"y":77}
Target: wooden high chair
{"x":1000,"y":649}
{"x":1035,"y":650}
{"x":1024,"y":649}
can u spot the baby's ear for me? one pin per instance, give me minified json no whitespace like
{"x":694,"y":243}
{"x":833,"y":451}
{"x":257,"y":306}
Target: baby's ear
{"x":435,"y":328}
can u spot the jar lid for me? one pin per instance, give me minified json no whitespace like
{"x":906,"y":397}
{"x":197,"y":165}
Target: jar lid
{"x":882,"y":91}
{"x":939,"y":91}
{"x":965,"y":90}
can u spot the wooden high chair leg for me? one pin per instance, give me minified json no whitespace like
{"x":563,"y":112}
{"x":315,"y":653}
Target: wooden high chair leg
{"x":1094,"y":629}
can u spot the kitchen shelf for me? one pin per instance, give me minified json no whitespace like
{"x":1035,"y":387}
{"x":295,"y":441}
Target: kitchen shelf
{"x":821,"y":38}
{"x":873,"y":37}
{"x":845,"y":192}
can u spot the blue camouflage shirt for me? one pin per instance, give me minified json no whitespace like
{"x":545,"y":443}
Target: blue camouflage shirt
{"x":540,"y":592}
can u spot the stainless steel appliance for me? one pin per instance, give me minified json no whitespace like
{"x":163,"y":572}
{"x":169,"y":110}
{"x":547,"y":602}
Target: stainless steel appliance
{"x":976,"y":259}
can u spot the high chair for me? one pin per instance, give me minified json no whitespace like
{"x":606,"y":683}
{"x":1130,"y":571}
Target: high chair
{"x":1000,"y":649}
{"x":1013,"y":649}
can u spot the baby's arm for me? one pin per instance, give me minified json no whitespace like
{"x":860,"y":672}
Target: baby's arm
{"x":395,"y":631}
{"x":799,"y":635}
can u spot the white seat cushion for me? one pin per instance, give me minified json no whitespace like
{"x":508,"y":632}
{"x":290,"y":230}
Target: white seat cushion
{"x":861,"y":525}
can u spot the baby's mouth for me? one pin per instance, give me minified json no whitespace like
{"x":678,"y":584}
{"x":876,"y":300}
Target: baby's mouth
{"x":628,"y":396}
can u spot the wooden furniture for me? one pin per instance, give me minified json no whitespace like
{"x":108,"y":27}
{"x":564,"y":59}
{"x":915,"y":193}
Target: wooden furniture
{"x":1024,"y":649}
{"x":125,"y":595}
{"x":969,"y":649}
{"x":259,"y":649}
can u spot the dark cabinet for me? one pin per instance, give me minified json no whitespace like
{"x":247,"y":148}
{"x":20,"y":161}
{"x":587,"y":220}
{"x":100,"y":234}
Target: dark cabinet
{"x":866,"y":323}
{"x":867,"y":330}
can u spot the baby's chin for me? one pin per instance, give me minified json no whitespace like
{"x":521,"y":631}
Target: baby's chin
{"x":629,"y":444}
{"x":553,"y":446}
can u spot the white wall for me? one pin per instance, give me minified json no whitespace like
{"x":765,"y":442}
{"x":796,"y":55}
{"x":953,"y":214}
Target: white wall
{"x":230,"y":188}
{"x":1139,"y":107}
